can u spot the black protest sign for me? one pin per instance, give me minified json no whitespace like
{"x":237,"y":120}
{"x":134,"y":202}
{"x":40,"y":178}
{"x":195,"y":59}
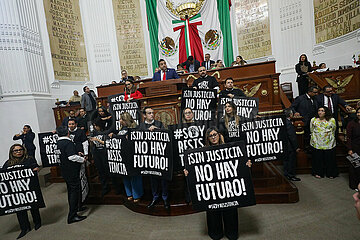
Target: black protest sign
{"x":202,"y":102}
{"x":19,"y":190}
{"x":219,"y":177}
{"x":118,"y":107}
{"x":50,"y":155}
{"x":186,"y":136}
{"x":115,"y":150}
{"x":246,"y":107}
{"x":116,"y":98}
{"x":354,"y":160}
{"x":266,"y":138}
{"x":151,"y":153}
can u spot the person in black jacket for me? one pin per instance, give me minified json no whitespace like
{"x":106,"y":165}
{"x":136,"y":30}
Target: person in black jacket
{"x":293,"y":148}
{"x":27,"y":137}
{"x":207,"y":62}
{"x":99,"y":153}
{"x":83,"y":120}
{"x":191,"y":64}
{"x":229,"y":124}
{"x":70,"y":163}
{"x":66,"y":119}
{"x":331,"y":100}
{"x":205,"y":81}
{"x":302,"y":69}
{"x":156,"y":183}
{"x":105,"y":117}
{"x":305,"y":106}
{"x":18,"y":157}
{"x":230,"y":91}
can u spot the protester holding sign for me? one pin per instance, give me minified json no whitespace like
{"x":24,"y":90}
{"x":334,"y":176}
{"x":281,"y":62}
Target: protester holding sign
{"x":27,"y":137}
{"x":156,"y":183}
{"x":18,"y":157}
{"x":227,"y":217}
{"x":230,"y":91}
{"x":70,"y":164}
{"x":229,"y":124}
{"x":99,"y":154}
{"x":322,"y":128}
{"x":187,"y":115}
{"x":131,"y":92}
{"x":353,"y":145}
{"x":133,"y":185}
{"x":105,"y":117}
{"x":205,"y":81}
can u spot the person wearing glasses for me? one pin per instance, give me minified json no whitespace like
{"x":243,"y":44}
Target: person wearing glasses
{"x":220,"y":222}
{"x":131,"y":92}
{"x":27,"y":137}
{"x":188,"y":115}
{"x":18,"y":156}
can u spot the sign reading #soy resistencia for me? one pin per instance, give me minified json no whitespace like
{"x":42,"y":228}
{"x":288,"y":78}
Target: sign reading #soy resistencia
{"x":151,"y":153}
{"x":219,"y":177}
{"x":50,"y":155}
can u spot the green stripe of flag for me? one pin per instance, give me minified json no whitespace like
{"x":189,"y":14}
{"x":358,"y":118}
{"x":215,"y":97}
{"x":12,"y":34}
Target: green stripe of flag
{"x":153,"y":24}
{"x":225,"y":25}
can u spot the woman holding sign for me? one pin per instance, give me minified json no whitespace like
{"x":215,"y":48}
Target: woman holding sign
{"x":133,"y":185}
{"x":322,"y":128}
{"x":18,"y":157}
{"x":220,"y":222}
{"x":130,"y":91}
{"x":229,"y":124}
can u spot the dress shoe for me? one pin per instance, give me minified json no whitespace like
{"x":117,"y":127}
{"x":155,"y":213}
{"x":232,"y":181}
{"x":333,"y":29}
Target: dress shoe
{"x":23,"y":233}
{"x":152,"y":204}
{"x":295,"y":179}
{"x":37,"y":226}
{"x":166,"y":204}
{"x":76,"y":219}
{"x":82,"y":208}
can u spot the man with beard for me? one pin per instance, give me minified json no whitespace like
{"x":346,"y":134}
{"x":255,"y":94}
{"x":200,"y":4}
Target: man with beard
{"x":205,"y":81}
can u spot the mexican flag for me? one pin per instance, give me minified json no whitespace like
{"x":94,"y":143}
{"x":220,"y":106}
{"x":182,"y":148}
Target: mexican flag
{"x":174,"y":39}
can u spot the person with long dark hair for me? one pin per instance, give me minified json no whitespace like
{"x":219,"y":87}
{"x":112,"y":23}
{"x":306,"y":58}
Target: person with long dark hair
{"x":220,"y":222}
{"x":353,"y":145}
{"x":303,"y":68}
{"x":187,"y":115}
{"x":18,"y":156}
{"x":133,"y":184}
{"x":130,"y":91}
{"x":101,"y":114}
{"x":322,"y":128}
{"x":27,"y":137}
{"x":230,"y":122}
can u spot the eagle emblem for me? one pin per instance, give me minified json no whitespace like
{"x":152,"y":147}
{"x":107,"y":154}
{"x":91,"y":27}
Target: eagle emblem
{"x":339,"y":84}
{"x":252,"y":91}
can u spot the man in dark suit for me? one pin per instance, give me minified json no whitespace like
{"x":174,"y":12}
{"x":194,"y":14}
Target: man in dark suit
{"x":156,"y":183}
{"x":125,"y":77}
{"x":164,"y":73}
{"x":331,"y":100}
{"x":66,"y":119}
{"x":207,"y":63}
{"x":230,"y":91}
{"x":191,"y":64}
{"x":70,"y":164}
{"x":293,"y":148}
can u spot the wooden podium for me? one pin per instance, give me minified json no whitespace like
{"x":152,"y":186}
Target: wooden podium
{"x":256,"y":80}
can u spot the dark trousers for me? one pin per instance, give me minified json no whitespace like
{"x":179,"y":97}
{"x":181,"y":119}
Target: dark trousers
{"x":155,"y":188}
{"x":215,"y":220}
{"x":290,"y":164}
{"x":23,"y":219}
{"x":101,"y":163}
{"x":73,"y":187}
{"x":324,"y":163}
{"x":303,"y":85}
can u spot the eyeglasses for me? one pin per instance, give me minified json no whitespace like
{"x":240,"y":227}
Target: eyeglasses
{"x":18,"y":150}
{"x":127,"y":84}
{"x":213,"y":135}
{"x":187,"y":113}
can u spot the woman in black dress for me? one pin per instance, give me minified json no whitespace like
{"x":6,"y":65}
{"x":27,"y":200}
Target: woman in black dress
{"x":302,"y":70}
{"x":27,"y":137}
{"x":18,"y":157}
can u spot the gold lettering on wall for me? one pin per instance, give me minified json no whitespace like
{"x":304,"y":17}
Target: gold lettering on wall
{"x":253,"y":28}
{"x":334,"y":18}
{"x":67,"y":45}
{"x":130,"y":37}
